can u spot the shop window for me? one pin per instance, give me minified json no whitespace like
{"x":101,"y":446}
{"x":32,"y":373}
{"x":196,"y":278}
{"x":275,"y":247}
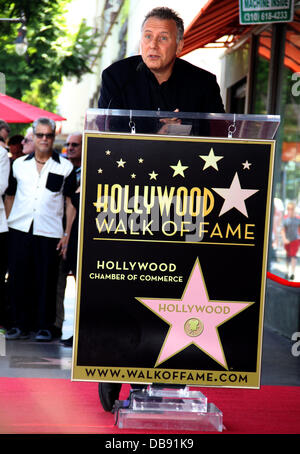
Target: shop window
{"x":287,"y":186}
{"x":235,"y":71}
{"x":238,"y":96}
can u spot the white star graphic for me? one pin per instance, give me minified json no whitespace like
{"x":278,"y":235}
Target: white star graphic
{"x":179,"y":169}
{"x":211,"y":160}
{"x":235,"y":196}
{"x":246,"y":165}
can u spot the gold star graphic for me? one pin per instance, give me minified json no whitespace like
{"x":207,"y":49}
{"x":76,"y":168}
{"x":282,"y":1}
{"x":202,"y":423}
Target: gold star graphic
{"x":108,"y":152}
{"x":179,"y":169}
{"x":121,"y":163}
{"x":133,"y":175}
{"x":153,"y":175}
{"x":100,"y":170}
{"x":211,"y":160}
{"x":141,"y":160}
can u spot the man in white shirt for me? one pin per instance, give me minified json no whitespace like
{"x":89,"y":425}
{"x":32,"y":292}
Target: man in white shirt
{"x":40,"y":181}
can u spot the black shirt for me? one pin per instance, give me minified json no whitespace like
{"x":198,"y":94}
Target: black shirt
{"x":129,"y":84}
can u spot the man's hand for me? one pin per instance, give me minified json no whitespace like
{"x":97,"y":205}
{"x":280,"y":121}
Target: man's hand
{"x":168,"y":121}
{"x":62,"y":246}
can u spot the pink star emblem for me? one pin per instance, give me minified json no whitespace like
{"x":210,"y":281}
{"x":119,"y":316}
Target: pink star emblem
{"x":235,"y":196}
{"x":194,"y":319}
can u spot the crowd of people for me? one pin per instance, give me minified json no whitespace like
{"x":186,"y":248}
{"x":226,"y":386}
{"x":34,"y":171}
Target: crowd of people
{"x":40,"y":192}
{"x":290,"y":233}
{"x":39,"y":202}
{"x":40,"y":189}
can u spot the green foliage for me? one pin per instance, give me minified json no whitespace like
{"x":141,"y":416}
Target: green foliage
{"x":53,"y":53}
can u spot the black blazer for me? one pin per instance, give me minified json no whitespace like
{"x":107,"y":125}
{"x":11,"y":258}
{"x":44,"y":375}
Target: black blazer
{"x":126,"y":85}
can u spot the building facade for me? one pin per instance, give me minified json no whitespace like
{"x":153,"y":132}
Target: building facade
{"x":261,"y":75}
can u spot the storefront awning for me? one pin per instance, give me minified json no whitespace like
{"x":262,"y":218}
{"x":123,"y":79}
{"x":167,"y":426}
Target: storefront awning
{"x":292,"y":46}
{"x":217,"y":23}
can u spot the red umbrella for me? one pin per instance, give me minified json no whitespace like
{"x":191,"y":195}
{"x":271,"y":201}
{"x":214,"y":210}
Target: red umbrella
{"x":15,"y":111}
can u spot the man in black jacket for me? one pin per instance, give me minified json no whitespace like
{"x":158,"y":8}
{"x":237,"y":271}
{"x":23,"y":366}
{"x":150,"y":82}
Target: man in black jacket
{"x":157,"y":80}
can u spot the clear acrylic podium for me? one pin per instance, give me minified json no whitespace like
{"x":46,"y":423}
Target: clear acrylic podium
{"x":165,"y":408}
{"x":157,"y":406}
{"x":237,"y":126}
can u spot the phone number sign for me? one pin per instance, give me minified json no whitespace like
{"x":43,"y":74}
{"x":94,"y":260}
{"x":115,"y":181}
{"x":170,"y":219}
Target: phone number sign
{"x":266,"y":11}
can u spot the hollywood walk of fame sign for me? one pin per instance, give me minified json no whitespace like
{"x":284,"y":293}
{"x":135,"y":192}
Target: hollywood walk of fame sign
{"x":172,"y":260}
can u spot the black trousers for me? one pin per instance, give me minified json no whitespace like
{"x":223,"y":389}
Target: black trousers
{"x":33,"y":271}
{"x":3,"y":286}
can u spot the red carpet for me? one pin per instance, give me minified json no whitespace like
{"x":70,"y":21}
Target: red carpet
{"x":57,"y":406}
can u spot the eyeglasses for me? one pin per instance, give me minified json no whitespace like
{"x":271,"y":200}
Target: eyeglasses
{"x":40,"y":135}
{"x":27,"y":140}
{"x":72,"y":144}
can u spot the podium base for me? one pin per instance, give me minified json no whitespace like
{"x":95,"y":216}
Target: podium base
{"x":168,"y":409}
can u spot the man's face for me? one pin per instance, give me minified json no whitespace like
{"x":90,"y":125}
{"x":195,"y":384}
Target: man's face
{"x":4,"y":133}
{"x":159,"y":47}
{"x":74,"y":147}
{"x":28,"y":144}
{"x":43,"y":138}
{"x":291,"y":211}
